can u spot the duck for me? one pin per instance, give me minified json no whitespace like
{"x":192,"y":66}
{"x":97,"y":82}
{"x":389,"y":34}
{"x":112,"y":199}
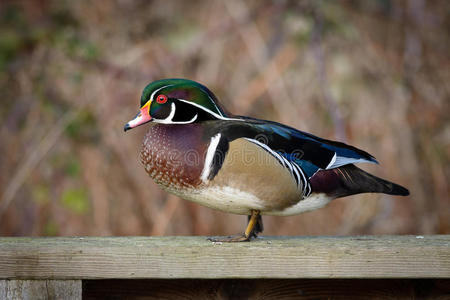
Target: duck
{"x":195,"y":149}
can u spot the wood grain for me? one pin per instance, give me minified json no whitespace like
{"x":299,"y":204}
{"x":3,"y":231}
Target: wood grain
{"x":40,"y":289}
{"x":195,"y":257}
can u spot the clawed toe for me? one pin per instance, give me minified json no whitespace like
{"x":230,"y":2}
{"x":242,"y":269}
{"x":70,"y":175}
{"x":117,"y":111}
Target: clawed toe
{"x":254,"y":227}
{"x":230,"y":239}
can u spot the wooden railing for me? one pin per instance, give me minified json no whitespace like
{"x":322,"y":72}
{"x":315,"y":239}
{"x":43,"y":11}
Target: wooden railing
{"x":69,"y":267}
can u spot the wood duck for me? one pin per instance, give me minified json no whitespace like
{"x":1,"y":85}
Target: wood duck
{"x":198,"y":151}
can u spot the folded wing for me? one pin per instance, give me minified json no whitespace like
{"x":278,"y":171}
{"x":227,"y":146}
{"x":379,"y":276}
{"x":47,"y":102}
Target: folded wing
{"x":309,"y":152}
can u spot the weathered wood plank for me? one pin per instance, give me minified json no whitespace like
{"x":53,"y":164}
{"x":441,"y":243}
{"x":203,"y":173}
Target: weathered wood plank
{"x":40,"y":289}
{"x":195,"y":257}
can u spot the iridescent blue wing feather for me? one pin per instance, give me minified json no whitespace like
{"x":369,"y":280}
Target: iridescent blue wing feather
{"x":312,"y":153}
{"x":309,"y":152}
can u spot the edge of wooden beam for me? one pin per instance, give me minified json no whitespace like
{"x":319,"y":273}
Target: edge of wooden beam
{"x":195,"y":257}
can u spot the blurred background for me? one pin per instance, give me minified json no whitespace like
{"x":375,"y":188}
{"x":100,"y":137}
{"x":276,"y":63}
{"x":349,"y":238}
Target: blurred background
{"x":372,"y":73}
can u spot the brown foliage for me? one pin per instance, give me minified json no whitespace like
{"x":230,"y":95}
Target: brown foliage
{"x":372,"y":73}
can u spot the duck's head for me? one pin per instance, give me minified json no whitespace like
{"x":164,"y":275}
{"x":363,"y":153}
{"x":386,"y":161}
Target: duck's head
{"x":176,"y":101}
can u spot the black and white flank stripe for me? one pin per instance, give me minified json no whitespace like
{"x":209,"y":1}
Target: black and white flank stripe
{"x":215,"y":155}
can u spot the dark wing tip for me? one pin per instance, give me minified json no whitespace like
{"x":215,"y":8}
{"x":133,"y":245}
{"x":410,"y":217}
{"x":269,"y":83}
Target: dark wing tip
{"x":349,"y":180}
{"x":399,"y":190}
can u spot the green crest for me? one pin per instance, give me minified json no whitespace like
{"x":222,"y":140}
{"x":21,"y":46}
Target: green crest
{"x":182,"y":89}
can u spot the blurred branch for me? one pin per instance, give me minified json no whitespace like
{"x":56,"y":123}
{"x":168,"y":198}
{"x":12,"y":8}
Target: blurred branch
{"x":147,"y":211}
{"x":392,"y":56}
{"x":257,"y":87}
{"x":320,"y":58}
{"x":115,"y":71}
{"x":412,"y":56}
{"x":32,"y":159}
{"x":258,"y":51}
{"x":165,"y":216}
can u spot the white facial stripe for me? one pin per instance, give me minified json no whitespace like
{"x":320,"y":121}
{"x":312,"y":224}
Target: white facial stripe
{"x":191,"y":121}
{"x":155,"y":91}
{"x":172,"y":112}
{"x":209,"y":111}
{"x":169,"y":119}
{"x":209,"y":157}
{"x":212,"y":100}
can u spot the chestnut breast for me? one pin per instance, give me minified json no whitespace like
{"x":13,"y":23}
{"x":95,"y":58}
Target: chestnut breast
{"x":173,"y":155}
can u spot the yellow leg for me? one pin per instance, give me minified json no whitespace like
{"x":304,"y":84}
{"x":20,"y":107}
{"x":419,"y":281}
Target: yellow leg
{"x":251,"y":224}
{"x":246,"y":235}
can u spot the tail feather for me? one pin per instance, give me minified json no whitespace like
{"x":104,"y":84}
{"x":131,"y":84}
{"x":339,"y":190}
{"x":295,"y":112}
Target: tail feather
{"x":349,"y":180}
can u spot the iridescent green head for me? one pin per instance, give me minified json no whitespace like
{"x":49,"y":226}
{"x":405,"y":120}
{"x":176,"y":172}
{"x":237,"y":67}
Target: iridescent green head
{"x":176,"y":101}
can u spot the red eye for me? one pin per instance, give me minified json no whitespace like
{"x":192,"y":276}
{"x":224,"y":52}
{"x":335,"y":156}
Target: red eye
{"x":161,"y":99}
